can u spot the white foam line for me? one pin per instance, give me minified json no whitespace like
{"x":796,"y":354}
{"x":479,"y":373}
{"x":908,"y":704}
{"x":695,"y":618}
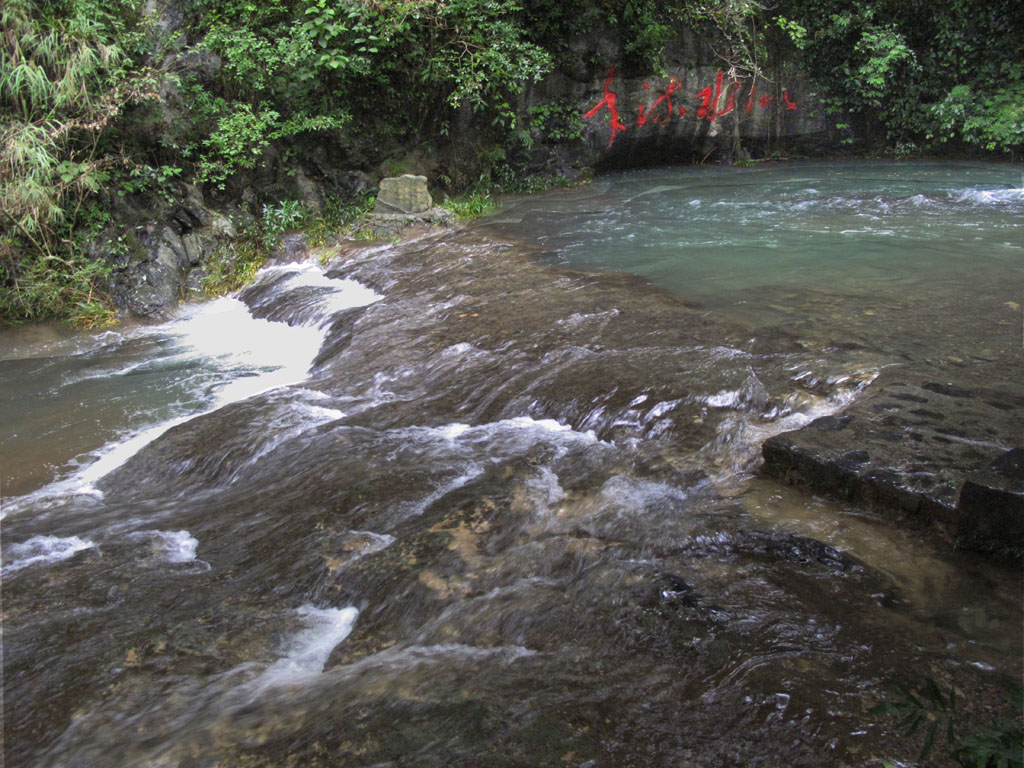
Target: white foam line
{"x":308,"y":651}
{"x":223,"y":330}
{"x":45,"y":549}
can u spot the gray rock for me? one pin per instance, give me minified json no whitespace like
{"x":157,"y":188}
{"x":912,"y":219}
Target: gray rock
{"x":928,"y":453}
{"x":154,"y":280}
{"x":292,"y":247}
{"x":390,"y":225}
{"x":160,"y":263}
{"x":308,"y":192}
{"x":403,"y":194}
{"x":222,"y":226}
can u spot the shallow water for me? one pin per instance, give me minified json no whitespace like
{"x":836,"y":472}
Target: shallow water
{"x":919,"y":259}
{"x":491,"y":512}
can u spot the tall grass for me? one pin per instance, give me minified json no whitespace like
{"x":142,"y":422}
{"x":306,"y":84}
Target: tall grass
{"x":63,"y":80}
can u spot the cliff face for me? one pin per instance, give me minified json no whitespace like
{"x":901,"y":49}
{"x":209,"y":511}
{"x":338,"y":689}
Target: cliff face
{"x":597,"y":110}
{"x":697,"y":113}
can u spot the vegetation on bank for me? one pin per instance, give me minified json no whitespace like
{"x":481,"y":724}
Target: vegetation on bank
{"x":929,"y":711}
{"x":104,"y":99}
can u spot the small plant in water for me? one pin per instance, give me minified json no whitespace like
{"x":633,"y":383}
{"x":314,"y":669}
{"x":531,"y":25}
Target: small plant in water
{"x":470,"y":207}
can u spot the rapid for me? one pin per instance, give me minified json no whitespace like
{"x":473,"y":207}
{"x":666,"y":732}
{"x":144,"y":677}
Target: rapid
{"x":483,"y":498}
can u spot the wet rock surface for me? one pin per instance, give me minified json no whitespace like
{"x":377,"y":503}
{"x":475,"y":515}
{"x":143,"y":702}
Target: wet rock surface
{"x":932,"y":447}
{"x":524,"y":480}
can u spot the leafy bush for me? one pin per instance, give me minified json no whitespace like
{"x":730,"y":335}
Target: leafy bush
{"x":993,"y":119}
{"x":950,"y":74}
{"x":556,"y":120}
{"x":932,"y":710}
{"x":65,"y":77}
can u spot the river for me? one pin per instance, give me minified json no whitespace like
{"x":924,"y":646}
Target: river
{"x":483,"y":498}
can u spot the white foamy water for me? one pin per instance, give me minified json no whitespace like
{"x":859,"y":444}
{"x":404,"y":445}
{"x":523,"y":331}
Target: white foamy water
{"x":461,"y":446}
{"x":740,"y":436}
{"x":344,"y":294}
{"x":307,"y":652}
{"x":44,"y":550}
{"x":240,"y":356}
{"x":518,"y":431}
{"x":170,"y":546}
{"x":991,"y":196}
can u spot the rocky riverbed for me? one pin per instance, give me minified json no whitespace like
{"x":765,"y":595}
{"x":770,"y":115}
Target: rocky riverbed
{"x":505,"y":520}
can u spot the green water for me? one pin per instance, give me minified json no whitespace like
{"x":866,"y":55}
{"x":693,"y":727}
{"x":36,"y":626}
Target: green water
{"x":918,"y":258}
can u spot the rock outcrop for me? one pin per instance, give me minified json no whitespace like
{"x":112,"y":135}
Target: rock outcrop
{"x":403,"y":195}
{"x":925,"y":451}
{"x":404,"y":201}
{"x":158,"y":263}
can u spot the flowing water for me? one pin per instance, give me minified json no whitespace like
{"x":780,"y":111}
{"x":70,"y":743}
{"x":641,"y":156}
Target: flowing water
{"x":457,"y":502}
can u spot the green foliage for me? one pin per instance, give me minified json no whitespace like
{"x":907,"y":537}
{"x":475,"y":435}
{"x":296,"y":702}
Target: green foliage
{"x":337,"y":217}
{"x":738,"y":32}
{"x":884,"y":51}
{"x":646,"y":29}
{"x":471,"y":206}
{"x":932,"y":711}
{"x":233,"y":266}
{"x":556,"y":121}
{"x":65,"y":78}
{"x":41,"y":287}
{"x":284,"y":217}
{"x":485,"y":54}
{"x":1000,"y":745}
{"x":948,"y":71}
{"x":795,"y":31}
{"x":993,"y":119}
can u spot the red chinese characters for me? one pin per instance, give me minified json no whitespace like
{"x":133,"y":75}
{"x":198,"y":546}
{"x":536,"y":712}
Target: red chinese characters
{"x":662,"y":109}
{"x":711,"y":98}
{"x":666,"y":98}
{"x":609,"y":101}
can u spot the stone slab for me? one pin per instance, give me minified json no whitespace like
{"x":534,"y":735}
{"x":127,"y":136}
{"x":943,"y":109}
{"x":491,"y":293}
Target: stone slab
{"x":403,"y":194}
{"x":930,"y":451}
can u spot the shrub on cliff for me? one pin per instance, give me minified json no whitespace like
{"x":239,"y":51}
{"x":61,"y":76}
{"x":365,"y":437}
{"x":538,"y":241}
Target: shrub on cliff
{"x":66,"y":75}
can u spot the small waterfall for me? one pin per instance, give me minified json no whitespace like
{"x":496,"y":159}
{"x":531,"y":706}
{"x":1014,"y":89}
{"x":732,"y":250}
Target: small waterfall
{"x":230,"y":350}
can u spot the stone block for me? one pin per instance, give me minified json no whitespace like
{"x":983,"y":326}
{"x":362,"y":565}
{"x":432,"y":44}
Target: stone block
{"x":403,"y":194}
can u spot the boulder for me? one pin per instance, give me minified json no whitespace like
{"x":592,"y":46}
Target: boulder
{"x":406,"y":194}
